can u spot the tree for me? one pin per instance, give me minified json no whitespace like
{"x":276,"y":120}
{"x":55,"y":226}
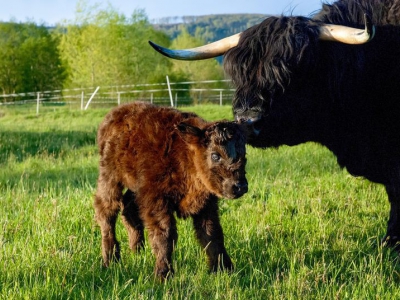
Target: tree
{"x":10,"y":40}
{"x":29,"y":58}
{"x":197,"y":70}
{"x":103,"y":47}
{"x":40,"y":60}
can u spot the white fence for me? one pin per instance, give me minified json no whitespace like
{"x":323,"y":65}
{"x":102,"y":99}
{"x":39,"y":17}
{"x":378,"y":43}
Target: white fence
{"x":174,"y":94}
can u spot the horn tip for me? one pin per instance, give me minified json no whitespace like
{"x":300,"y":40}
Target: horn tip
{"x":369,"y":26}
{"x":159,"y":49}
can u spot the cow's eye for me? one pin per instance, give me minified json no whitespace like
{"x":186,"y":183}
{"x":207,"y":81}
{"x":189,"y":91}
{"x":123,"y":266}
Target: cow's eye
{"x":215,"y":157}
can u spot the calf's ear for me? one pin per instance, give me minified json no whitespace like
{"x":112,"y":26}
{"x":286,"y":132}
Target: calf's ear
{"x":189,"y":133}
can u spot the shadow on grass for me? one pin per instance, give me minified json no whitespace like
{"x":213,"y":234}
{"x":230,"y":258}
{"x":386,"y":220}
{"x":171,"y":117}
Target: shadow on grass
{"x":275,"y":260}
{"x":22,"y":144}
{"x":40,"y":181}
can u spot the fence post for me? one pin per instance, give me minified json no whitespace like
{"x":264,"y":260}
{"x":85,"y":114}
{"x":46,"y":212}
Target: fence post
{"x":119,"y":98}
{"x":91,"y":97}
{"x":176,"y":99}
{"x":151,"y":98}
{"x":82,"y":96}
{"x":170,"y":92}
{"x":37,"y":103}
{"x":220,"y":97}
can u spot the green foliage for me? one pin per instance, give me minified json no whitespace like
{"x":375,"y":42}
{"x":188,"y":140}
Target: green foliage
{"x":196,"y":70}
{"x":29,"y":59}
{"x":305,"y":230}
{"x":103,"y":47}
{"x":210,"y":27}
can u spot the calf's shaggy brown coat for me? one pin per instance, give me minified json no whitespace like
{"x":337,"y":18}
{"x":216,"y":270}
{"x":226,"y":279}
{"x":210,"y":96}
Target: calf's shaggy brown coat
{"x":169,"y":162}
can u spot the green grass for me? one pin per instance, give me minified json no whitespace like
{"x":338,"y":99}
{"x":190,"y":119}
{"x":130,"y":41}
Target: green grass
{"x":305,"y":230}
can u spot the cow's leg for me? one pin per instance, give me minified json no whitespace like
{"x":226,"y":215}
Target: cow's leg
{"x":392,"y":237}
{"x":210,"y":235}
{"x":132,"y":221}
{"x":163,"y":237}
{"x":107,"y":206}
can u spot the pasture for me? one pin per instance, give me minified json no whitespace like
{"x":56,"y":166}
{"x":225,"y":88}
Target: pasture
{"x":305,"y":230}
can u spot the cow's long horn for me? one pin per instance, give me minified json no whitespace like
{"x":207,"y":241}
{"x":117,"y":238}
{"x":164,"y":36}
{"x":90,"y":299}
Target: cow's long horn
{"x":207,"y":51}
{"x":348,"y":35}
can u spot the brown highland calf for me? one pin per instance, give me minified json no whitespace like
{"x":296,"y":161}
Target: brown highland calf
{"x":169,"y":162}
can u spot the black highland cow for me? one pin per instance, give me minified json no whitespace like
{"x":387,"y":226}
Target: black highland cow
{"x":301,"y":79}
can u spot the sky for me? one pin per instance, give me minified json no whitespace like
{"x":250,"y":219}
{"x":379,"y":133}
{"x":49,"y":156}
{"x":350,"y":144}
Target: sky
{"x":50,"y":12}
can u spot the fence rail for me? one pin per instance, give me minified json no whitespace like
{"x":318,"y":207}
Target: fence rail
{"x":171,"y":93}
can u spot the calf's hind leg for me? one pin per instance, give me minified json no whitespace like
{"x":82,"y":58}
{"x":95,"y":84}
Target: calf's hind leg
{"x":132,"y":221}
{"x":210,"y":235}
{"x":107,"y":206}
{"x":163,"y":236}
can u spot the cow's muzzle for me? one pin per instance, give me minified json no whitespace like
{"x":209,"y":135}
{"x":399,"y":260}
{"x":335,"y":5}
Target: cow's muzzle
{"x":250,"y":120}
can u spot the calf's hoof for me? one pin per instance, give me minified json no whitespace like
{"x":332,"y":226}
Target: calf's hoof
{"x":114,"y":256}
{"x":164,"y":273}
{"x":224,"y":263}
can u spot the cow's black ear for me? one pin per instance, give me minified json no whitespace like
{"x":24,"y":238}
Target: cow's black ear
{"x":189,"y":133}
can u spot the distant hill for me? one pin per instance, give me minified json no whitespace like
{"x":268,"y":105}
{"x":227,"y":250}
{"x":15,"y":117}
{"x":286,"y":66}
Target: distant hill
{"x":209,"y":27}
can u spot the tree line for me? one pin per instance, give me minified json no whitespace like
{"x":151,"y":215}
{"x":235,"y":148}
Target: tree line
{"x":100,"y":47}
{"x":208,"y":27}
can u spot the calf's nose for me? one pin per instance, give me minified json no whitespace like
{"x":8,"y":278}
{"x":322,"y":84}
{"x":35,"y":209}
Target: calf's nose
{"x":240,"y":188}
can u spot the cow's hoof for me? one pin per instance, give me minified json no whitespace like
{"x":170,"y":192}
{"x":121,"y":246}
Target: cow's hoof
{"x":391,"y":242}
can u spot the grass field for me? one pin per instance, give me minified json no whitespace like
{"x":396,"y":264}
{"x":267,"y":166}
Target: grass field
{"x":305,"y":230}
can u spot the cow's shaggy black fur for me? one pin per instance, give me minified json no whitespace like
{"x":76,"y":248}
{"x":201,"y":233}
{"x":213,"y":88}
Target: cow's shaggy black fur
{"x":346,"y":97}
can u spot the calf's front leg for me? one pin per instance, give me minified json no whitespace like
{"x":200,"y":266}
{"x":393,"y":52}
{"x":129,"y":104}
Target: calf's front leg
{"x":210,"y":235}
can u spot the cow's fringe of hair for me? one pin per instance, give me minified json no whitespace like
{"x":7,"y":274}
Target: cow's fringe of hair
{"x":259,"y":57}
{"x":279,"y":48}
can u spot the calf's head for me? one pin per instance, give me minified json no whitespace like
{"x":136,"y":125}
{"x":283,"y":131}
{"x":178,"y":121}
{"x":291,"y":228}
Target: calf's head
{"x":219,"y":156}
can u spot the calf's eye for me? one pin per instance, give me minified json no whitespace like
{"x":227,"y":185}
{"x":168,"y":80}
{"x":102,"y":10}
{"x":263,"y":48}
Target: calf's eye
{"x":215,"y":157}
